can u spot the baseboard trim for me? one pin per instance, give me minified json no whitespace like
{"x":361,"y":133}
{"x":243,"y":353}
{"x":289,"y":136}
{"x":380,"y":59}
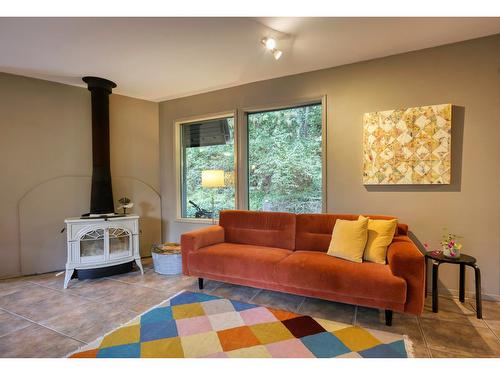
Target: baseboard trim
{"x":454,"y":293}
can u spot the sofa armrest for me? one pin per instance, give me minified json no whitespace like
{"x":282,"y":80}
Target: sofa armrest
{"x":194,"y":240}
{"x":406,"y":261}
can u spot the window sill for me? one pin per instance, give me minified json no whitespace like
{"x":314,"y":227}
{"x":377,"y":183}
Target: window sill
{"x":195,"y":221}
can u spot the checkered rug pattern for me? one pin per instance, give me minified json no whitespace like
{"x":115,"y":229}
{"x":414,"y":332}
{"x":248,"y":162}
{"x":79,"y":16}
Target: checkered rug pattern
{"x":200,"y":325}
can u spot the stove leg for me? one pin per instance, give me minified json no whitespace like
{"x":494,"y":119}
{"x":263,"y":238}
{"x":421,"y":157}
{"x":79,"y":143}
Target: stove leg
{"x":67,"y":276}
{"x":139,"y":264}
{"x":200,"y":283}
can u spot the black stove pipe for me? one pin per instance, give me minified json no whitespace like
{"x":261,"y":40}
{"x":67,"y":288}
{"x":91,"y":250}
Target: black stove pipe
{"x":101,"y":199}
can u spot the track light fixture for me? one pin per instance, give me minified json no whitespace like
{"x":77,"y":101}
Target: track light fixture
{"x":270,"y":44}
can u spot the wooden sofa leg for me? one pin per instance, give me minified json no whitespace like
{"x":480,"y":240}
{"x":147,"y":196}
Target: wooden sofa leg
{"x":388,"y":317}
{"x":200,"y":282}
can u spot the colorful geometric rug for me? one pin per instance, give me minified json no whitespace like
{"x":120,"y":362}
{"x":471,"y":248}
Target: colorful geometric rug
{"x":200,"y":325}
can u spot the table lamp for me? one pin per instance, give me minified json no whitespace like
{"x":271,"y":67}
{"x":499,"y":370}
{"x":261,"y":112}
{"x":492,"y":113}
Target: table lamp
{"x":213,"y":179}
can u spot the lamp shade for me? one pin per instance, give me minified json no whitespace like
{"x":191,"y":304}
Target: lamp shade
{"x":212,"y":178}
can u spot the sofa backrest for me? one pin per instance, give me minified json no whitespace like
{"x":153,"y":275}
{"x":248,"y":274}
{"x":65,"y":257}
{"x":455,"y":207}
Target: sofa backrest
{"x":273,"y":229}
{"x":314,"y":231}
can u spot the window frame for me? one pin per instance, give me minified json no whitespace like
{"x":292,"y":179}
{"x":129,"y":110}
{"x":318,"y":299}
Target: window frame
{"x":243,"y":144}
{"x":240,"y":118}
{"x":179,"y":162}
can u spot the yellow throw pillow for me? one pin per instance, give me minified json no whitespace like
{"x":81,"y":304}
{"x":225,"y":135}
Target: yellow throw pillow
{"x":380,"y":235}
{"x":349,"y":239}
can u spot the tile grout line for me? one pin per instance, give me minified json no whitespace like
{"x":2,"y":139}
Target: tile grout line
{"x":91,"y":299}
{"x":54,"y":273}
{"x":103,"y":299}
{"x":454,"y":351}
{"x":16,"y":330}
{"x":18,"y":316}
{"x":53,"y":290}
{"x":255,"y":295}
{"x":59,"y":291}
{"x":88,"y":299}
{"x":424,"y":338}
{"x":135,"y":284}
{"x":474,"y":307}
{"x":41,"y":325}
{"x":96,"y":299}
{"x":300,"y":305}
{"x":494,"y":334}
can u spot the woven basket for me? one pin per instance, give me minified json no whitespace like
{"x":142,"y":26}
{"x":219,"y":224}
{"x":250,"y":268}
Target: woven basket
{"x":167,"y":263}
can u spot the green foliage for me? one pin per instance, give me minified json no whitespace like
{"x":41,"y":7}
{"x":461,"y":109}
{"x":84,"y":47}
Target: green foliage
{"x":196,"y":160}
{"x":284,"y":162}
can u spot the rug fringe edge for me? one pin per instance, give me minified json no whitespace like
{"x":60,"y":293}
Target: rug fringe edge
{"x":409,"y":346}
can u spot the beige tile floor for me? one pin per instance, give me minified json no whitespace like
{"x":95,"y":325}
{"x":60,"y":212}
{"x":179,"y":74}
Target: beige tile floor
{"x":38,"y":318}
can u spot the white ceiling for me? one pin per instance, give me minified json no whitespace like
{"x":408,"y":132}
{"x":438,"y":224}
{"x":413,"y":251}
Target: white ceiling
{"x":165,"y":58}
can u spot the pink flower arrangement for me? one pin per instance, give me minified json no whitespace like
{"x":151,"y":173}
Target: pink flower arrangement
{"x":449,"y":241}
{"x":449,"y":245}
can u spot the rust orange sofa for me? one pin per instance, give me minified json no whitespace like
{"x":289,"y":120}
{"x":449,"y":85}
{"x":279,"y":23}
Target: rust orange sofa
{"x":287,"y":252}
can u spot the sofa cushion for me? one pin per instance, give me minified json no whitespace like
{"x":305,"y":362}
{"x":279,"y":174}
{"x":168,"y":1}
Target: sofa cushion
{"x":313,"y":270}
{"x":314,"y":231}
{"x":273,"y":229}
{"x":238,"y":260}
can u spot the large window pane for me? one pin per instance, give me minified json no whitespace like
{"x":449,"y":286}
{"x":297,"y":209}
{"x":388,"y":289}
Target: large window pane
{"x":206,"y":145}
{"x":284,"y":160}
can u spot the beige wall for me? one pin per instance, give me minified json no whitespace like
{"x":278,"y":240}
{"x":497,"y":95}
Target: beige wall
{"x":465,"y":74}
{"x":45,"y":168}
{"x":135,"y":162}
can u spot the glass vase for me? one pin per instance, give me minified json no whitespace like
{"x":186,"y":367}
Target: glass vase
{"x":451,"y":252}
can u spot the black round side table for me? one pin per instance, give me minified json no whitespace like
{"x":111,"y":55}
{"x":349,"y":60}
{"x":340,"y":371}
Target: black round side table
{"x":463,"y":260}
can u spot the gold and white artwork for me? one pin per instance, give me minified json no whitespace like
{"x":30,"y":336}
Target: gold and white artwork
{"x":409,"y":146}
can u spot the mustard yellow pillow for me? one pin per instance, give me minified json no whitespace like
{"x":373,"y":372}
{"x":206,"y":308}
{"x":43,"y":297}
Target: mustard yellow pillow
{"x":349,"y":239}
{"x":380,"y":235}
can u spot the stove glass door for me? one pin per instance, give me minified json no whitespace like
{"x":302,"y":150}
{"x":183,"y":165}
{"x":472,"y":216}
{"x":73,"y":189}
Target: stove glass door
{"x":92,"y":246}
{"x":119,"y":243}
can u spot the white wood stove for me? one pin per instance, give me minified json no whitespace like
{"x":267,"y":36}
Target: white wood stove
{"x":101,"y":242}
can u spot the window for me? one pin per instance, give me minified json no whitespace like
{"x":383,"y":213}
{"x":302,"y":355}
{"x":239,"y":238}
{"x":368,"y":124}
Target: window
{"x":285,"y":160}
{"x":206,"y":145}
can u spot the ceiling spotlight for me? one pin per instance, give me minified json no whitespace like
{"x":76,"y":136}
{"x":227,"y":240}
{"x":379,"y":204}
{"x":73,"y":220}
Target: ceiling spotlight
{"x":270,"y":43}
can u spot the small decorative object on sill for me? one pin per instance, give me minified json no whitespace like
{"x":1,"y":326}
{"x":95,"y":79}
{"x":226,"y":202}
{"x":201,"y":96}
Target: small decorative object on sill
{"x":450,"y":248}
{"x":167,"y":258}
{"x":126,"y":203}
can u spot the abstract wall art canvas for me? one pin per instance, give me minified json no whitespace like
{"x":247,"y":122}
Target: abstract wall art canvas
{"x":408,"y":146}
